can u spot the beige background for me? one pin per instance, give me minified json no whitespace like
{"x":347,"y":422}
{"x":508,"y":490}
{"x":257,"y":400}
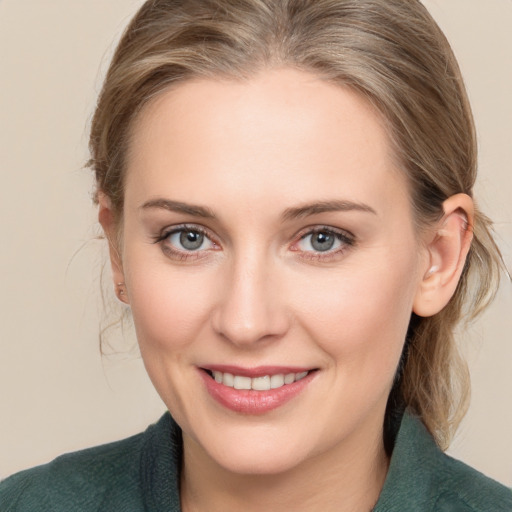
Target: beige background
{"x":56,"y":393}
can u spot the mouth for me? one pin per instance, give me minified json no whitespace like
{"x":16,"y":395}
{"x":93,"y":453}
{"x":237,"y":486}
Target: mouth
{"x":255,"y":391}
{"x":259,"y":383}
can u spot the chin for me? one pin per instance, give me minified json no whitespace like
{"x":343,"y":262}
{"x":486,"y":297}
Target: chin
{"x":255,"y":451}
{"x":262,"y":463}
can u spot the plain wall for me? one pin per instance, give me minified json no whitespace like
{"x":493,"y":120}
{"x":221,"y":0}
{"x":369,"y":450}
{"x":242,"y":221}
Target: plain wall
{"x":57,"y":393}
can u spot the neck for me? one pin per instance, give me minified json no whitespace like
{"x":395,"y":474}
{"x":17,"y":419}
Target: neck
{"x":348,"y":478}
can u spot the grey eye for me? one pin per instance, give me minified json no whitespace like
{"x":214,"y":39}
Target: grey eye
{"x":322,"y":241}
{"x":191,"y":240}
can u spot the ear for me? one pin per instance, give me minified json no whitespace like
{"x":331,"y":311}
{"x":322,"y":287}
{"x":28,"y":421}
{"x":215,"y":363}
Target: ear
{"x":447,"y":251}
{"x":108,"y":222}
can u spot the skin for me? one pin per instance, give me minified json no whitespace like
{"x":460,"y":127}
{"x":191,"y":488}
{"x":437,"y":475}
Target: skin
{"x":258,"y":293}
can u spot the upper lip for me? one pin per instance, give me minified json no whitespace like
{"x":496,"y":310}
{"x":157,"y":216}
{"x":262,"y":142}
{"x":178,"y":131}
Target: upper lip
{"x":257,"y":371}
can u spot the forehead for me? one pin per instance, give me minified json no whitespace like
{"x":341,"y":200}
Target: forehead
{"x":284,"y":134}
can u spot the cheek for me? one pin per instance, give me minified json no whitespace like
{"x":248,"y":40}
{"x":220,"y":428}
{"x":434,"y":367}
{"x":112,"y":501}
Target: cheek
{"x":170,"y":314}
{"x":169,"y":306}
{"x":360,"y":315}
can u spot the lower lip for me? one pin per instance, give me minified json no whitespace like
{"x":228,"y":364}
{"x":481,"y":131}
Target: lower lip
{"x":249,"y":401}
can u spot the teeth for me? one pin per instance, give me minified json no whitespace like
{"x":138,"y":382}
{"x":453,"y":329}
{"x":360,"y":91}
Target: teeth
{"x":242,"y":382}
{"x":228,"y":380}
{"x":276,"y":381}
{"x":263,"y":383}
{"x":289,"y":378}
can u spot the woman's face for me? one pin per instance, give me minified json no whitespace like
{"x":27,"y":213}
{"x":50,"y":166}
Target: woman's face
{"x":269,"y":244}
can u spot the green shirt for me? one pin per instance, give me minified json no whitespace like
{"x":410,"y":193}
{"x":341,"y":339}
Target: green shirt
{"x":141,"y":473}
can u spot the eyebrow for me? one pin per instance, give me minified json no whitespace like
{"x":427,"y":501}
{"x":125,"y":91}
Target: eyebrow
{"x":299,"y":212}
{"x":326,"y":206}
{"x":179,"y":207}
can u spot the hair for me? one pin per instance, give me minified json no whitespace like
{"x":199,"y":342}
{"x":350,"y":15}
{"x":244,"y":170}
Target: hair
{"x":389,"y":51}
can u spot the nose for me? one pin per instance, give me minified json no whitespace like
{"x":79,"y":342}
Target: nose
{"x":251,"y":305}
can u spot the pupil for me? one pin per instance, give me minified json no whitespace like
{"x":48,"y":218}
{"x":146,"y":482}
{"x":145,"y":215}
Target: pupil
{"x":191,"y":240}
{"x":322,"y":241}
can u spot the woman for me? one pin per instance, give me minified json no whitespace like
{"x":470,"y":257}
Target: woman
{"x":286,"y":189}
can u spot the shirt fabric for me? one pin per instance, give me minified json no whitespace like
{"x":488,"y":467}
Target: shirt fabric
{"x":141,"y":473}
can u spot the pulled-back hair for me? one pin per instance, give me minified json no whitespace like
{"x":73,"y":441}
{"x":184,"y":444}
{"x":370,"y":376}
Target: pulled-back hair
{"x":393,"y":54}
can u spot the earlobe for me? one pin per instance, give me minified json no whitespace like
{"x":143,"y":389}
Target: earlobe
{"x":447,"y":251}
{"x":108,"y":222}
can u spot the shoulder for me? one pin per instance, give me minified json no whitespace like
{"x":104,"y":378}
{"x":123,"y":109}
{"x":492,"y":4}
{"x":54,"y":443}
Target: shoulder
{"x":85,"y":480}
{"x":463,"y":488}
{"x":423,"y":478}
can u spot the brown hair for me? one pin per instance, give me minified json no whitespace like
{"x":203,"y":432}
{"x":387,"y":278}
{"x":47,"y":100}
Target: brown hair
{"x":391,"y":52}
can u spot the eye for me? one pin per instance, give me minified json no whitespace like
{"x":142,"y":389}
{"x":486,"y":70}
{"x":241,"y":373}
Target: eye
{"x":323,"y":241}
{"x":189,"y":240}
{"x":183,"y":243}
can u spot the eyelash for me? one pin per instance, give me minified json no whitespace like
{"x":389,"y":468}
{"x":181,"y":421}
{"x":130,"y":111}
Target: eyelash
{"x":346,"y":239}
{"x":177,"y":254}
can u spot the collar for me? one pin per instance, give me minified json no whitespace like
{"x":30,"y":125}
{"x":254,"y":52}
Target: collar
{"x":411,"y":481}
{"x":416,"y":476}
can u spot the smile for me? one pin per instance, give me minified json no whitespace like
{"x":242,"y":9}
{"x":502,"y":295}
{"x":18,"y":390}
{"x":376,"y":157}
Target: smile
{"x":261,"y":383}
{"x":257,"y":390}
